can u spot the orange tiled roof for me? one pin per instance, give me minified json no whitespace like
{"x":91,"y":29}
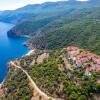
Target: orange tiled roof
{"x":87,"y":69}
{"x":97,"y":69}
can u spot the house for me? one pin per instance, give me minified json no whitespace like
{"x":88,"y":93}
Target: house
{"x":81,"y":58}
{"x":87,"y":73}
{"x":98,"y":61}
{"x":97,"y":69}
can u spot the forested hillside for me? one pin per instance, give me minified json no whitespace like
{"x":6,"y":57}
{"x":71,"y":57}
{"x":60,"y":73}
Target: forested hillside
{"x":83,"y":33}
{"x":53,"y":74}
{"x":60,"y":24}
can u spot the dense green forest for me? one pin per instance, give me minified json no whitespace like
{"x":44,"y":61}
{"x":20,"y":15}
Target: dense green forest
{"x":16,"y":86}
{"x":76,"y":23}
{"x":84,"y":34}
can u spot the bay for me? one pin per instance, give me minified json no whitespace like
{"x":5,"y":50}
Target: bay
{"x":10,"y":48}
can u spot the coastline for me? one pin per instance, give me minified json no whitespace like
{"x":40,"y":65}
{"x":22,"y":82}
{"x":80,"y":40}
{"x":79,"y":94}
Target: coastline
{"x":30,"y":52}
{"x":37,"y":91}
{"x":2,"y":83}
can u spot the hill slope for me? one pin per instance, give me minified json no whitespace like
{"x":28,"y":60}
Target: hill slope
{"x":54,"y":74}
{"x":60,"y":24}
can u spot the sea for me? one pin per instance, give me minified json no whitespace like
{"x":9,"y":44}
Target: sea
{"x":10,"y":48}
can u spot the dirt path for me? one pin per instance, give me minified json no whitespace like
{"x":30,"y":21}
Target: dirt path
{"x":37,"y":91}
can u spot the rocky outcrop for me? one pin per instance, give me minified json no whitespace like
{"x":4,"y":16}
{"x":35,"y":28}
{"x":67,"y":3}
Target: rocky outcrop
{"x":14,"y":33}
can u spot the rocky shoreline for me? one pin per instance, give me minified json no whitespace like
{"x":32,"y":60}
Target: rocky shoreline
{"x":30,"y":52}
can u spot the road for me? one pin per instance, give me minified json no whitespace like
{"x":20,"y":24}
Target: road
{"x":37,"y":91}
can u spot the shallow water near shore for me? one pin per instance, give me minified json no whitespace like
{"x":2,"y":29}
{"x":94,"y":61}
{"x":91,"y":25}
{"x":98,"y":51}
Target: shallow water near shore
{"x":10,"y":48}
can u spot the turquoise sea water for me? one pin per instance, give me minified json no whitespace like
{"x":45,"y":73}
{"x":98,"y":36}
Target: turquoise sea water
{"x":10,"y":48}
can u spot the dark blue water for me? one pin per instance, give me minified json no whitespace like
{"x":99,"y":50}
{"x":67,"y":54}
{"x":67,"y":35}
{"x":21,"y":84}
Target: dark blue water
{"x":10,"y":48}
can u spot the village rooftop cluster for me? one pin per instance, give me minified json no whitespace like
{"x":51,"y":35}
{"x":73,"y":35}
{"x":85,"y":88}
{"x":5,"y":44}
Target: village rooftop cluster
{"x":81,"y":58}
